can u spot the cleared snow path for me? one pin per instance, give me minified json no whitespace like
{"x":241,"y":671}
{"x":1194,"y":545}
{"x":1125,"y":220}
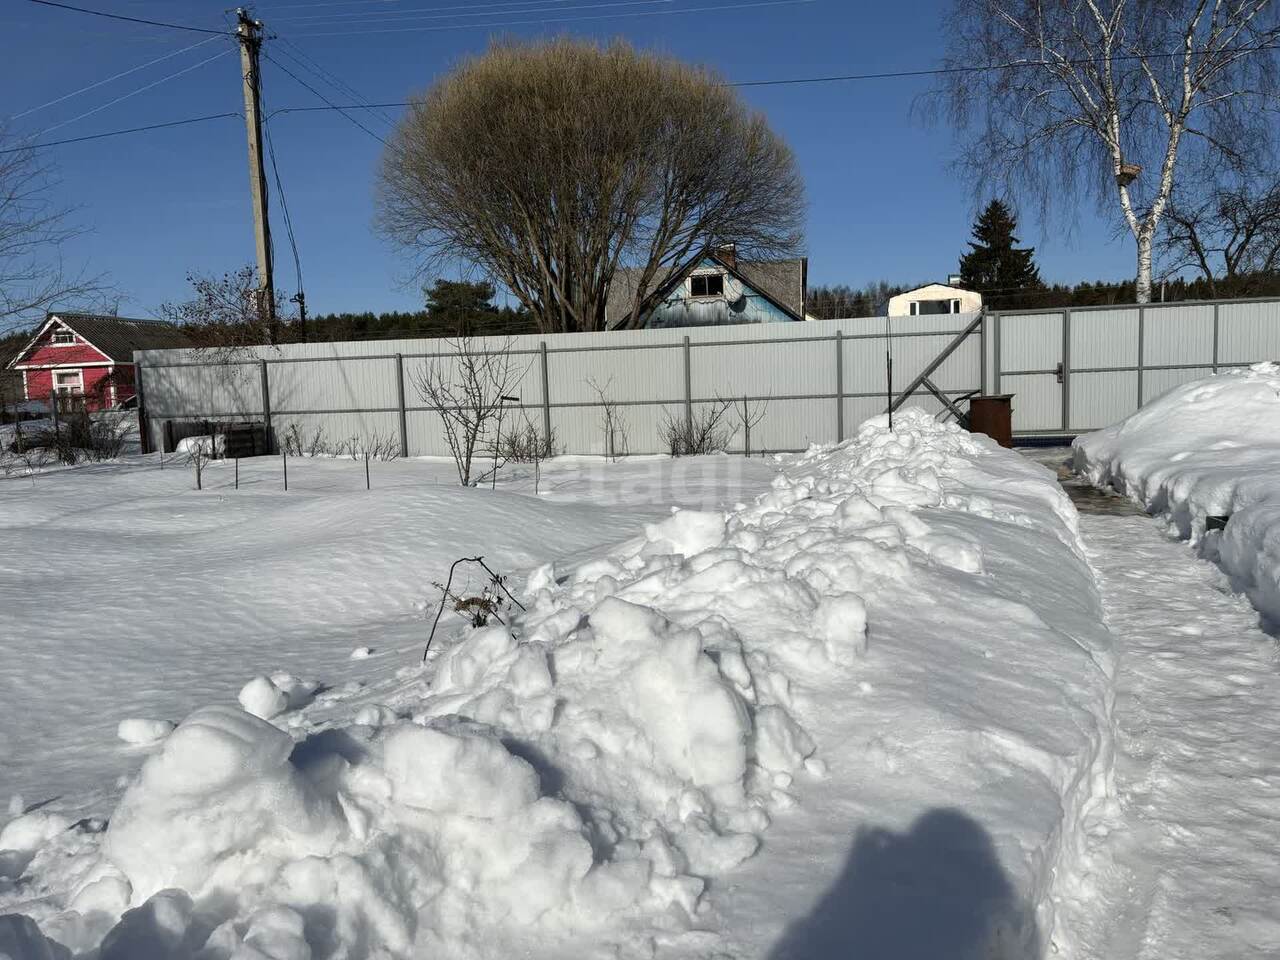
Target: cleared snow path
{"x":1197,"y":756}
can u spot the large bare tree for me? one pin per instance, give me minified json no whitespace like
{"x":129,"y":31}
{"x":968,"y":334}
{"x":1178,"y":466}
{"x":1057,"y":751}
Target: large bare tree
{"x":549,"y":166}
{"x":33,"y":227}
{"x":1110,"y":98}
{"x":1227,"y":231}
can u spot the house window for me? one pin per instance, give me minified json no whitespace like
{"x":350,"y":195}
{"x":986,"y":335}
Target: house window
{"x":67,"y":381}
{"x":707,"y":285}
{"x":62,"y":337}
{"x":955,"y":306}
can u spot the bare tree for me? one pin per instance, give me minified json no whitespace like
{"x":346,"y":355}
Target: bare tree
{"x":33,"y":228}
{"x":226,"y":315}
{"x":750,"y":414}
{"x":1229,"y":233}
{"x":550,"y":165}
{"x":613,"y":420}
{"x":1109,"y":98}
{"x":467,"y":389}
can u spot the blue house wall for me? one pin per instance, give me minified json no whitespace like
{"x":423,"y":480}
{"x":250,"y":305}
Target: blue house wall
{"x":741,"y":303}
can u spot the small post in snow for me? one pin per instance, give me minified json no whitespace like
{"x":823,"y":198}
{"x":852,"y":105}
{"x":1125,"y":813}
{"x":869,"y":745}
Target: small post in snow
{"x":284,"y":460}
{"x":237,"y":473}
{"x":366,"y":471}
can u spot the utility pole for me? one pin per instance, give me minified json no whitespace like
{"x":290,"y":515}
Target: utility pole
{"x":249,"y":32}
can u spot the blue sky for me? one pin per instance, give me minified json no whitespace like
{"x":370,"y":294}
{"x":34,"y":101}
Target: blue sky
{"x":883,"y":203}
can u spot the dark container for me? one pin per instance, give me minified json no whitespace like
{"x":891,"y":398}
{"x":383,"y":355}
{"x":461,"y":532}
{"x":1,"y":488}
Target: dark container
{"x":993,"y":415}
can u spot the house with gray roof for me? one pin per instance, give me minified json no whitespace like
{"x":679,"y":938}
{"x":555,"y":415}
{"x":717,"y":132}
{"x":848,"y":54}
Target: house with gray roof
{"x":89,"y":357}
{"x":712,"y":288}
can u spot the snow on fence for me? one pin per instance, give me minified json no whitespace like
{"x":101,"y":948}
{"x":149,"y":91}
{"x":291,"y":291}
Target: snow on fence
{"x":1070,"y":370}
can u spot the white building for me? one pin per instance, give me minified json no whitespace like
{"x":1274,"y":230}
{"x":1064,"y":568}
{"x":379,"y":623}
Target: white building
{"x":934,"y":298}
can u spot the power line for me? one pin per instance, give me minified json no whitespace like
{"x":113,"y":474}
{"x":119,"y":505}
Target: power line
{"x":116,"y":16}
{"x":352,"y":3}
{"x":301,"y":58}
{"x":132,"y":93}
{"x":332,"y":105}
{"x":120,"y":133}
{"x":284,"y":207}
{"x":114,"y":76}
{"x":432,"y":13}
{"x":541,"y":20}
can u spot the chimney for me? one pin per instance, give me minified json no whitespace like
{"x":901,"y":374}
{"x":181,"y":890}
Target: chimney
{"x":728,"y":252}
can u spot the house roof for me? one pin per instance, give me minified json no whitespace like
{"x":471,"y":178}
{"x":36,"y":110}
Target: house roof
{"x":116,"y":337}
{"x":782,"y":282}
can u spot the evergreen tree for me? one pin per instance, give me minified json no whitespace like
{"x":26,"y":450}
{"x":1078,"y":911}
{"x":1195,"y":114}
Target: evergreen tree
{"x":995,"y":266}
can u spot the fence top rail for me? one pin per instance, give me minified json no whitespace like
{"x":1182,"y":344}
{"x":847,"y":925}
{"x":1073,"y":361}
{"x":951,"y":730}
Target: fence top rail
{"x":528,"y":352}
{"x":531,"y":344}
{"x":1168,"y":304}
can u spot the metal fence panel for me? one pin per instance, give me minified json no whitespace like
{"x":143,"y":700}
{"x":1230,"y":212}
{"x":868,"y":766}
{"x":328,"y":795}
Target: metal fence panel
{"x":1177,"y":335}
{"x":822,"y":378}
{"x":1029,"y":342}
{"x":1104,"y":338}
{"x":1156,"y":383}
{"x":1249,"y":332}
{"x":1097,"y":399}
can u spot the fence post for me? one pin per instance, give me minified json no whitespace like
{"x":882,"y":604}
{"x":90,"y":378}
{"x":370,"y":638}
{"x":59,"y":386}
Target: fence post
{"x":1142,"y":340}
{"x":839,"y":385}
{"x":404,"y":428}
{"x":546,"y":397}
{"x":1215,"y":337}
{"x":995,"y":358}
{"x":688,"y":388}
{"x":268,"y":437}
{"x":982,"y":356}
{"x":1066,"y":370}
{"x":144,"y":429}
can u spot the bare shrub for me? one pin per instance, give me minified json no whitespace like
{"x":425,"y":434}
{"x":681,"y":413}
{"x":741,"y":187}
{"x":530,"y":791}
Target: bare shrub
{"x":613,"y":420}
{"x":467,"y":389}
{"x":198,"y":455}
{"x":707,"y":430}
{"x":527,"y":444}
{"x":749,"y":413}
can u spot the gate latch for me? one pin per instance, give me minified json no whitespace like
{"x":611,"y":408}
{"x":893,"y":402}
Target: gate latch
{"x":1058,"y":372}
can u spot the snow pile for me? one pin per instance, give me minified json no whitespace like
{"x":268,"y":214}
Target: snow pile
{"x":1209,"y":448}
{"x":140,"y":731}
{"x":586,"y":769}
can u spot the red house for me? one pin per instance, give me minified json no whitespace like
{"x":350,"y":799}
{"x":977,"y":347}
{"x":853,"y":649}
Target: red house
{"x":83,"y":355}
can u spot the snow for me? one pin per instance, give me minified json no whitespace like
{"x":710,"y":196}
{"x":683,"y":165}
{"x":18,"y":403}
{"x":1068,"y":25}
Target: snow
{"x":1209,"y":448}
{"x":1187,"y":865}
{"x":736,"y":728}
{"x":140,"y":731}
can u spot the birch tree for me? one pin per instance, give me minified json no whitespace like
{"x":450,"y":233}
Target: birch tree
{"x":1111,"y":99}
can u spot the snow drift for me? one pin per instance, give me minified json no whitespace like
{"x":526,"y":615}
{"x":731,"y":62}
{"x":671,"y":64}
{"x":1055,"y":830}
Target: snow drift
{"x":588,"y":769}
{"x":1209,"y":448}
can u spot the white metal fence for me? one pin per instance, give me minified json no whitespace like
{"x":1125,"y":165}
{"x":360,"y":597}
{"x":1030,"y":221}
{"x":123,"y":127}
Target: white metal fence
{"x":1070,"y":371}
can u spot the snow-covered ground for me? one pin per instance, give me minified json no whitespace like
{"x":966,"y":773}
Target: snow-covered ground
{"x":862,"y":704}
{"x":1187,"y":867}
{"x":1209,"y":448}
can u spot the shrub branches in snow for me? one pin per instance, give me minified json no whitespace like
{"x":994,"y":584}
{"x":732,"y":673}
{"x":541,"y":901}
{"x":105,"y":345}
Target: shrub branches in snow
{"x":708,"y":429}
{"x":467,"y":389}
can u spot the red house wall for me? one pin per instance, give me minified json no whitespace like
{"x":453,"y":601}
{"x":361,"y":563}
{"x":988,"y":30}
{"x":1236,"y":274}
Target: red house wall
{"x":72,"y":357}
{"x":44,"y":352}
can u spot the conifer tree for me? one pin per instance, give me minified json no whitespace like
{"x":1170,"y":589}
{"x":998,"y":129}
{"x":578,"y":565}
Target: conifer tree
{"x":995,"y":266}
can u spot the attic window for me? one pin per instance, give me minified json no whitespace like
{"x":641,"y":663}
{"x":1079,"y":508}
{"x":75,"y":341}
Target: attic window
{"x":707,"y":285}
{"x":62,"y":337}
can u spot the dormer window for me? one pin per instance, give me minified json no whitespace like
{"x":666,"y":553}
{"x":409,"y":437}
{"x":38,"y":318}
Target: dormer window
{"x":707,"y":285}
{"x":62,"y":337}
